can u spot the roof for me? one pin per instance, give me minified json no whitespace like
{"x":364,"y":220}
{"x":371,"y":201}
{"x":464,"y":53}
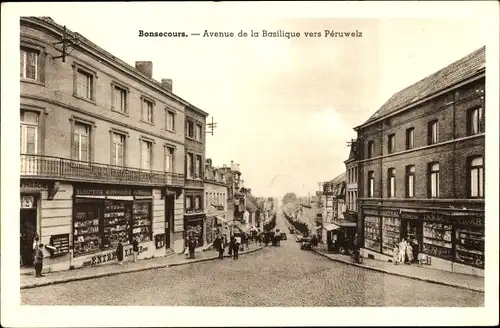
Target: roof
{"x":452,"y":74}
{"x":338,"y":179}
{"x":111,"y":57}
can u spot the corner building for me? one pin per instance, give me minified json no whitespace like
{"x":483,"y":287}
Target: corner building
{"x":421,"y":169}
{"x":102,"y":152}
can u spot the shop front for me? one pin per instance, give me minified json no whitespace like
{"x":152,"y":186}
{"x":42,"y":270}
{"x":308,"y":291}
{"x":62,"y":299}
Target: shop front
{"x":452,"y":241}
{"x":194,"y":226}
{"x":209,"y":230}
{"x":28,"y":228}
{"x":104,"y":216}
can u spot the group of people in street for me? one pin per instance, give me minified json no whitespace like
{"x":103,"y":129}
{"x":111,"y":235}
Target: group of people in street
{"x":406,"y":252}
{"x":235,"y":244}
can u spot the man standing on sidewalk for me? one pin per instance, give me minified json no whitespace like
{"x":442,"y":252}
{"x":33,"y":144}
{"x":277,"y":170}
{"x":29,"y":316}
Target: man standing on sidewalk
{"x":218,"y":245}
{"x":135,"y":249}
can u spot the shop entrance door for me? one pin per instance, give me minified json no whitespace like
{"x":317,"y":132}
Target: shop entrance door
{"x":169,"y":218}
{"x":412,"y":230}
{"x":28,"y":231}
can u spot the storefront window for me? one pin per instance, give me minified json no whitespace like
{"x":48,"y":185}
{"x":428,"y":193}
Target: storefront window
{"x":390,"y":234}
{"x":86,"y":236}
{"x":142,"y":221}
{"x":437,"y":240}
{"x":116,"y":225}
{"x":469,"y":246}
{"x":195,"y":228}
{"x":372,"y":233}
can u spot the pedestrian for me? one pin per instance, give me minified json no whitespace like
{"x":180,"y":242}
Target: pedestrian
{"x":415,"y":249}
{"x":236,"y":250}
{"x":135,"y":249}
{"x":409,"y":253}
{"x":39,"y":261}
{"x":192,"y":246}
{"x":395,"y":254}
{"x":119,"y":252}
{"x":218,"y":245}
{"x":402,"y":251}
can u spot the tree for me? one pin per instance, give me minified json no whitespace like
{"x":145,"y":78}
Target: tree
{"x":289,"y":197}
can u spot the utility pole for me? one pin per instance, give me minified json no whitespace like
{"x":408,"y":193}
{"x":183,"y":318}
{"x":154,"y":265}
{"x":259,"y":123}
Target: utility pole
{"x":211,"y":127}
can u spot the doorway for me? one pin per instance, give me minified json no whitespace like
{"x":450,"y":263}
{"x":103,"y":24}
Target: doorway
{"x":28,"y":225}
{"x":412,"y":230}
{"x":169,"y":218}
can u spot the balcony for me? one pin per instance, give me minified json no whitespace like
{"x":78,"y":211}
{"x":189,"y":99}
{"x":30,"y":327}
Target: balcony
{"x":48,"y":167}
{"x":193,"y":183}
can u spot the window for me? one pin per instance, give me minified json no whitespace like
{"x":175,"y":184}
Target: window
{"x":198,"y":173}
{"x":371,"y":183}
{"x":188,"y":203}
{"x":118,"y":149}
{"x":391,"y":190}
{"x":476,"y":177}
{"x":190,"y":129}
{"x":474,"y":119}
{"x":84,"y":84}
{"x":29,"y":132}
{"x":169,"y":159}
{"x":433,"y":132}
{"x":170,"y":121}
{"x":190,"y":166}
{"x":81,"y":142}
{"x":410,"y":138}
{"x":198,"y":203}
{"x":410,"y":181}
{"x":147,"y":111}
{"x":199,"y":132}
{"x":29,"y":64}
{"x":434,"y":180}
{"x":391,"y":143}
{"x":371,"y":148}
{"x":119,"y":99}
{"x":146,"y":154}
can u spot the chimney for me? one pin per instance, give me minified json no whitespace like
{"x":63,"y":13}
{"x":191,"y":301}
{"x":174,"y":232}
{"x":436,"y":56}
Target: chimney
{"x":167,"y":84}
{"x":145,"y":67}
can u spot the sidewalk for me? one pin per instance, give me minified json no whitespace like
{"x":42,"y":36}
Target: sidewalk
{"x":412,"y":271}
{"x":29,"y":281}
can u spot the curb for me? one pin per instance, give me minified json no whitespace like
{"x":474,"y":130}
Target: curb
{"x":401,"y":274}
{"x":114,"y":273}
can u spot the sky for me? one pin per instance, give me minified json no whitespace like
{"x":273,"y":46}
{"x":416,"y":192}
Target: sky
{"x":284,"y":108}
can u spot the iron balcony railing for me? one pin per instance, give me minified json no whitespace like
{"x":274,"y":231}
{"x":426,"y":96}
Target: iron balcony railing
{"x":40,"y":166}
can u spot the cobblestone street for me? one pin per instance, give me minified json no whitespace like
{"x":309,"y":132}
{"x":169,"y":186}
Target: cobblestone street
{"x":274,"y":276}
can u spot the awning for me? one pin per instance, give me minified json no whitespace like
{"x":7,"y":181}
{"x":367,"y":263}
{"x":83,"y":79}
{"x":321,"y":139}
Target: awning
{"x":331,"y":227}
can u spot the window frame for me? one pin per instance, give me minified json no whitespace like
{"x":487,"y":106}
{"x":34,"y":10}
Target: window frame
{"x":125,"y":136}
{"x":168,"y":147}
{"x":27,"y":50}
{"x":391,"y":177}
{"x":73,"y":121}
{"x":410,"y":145}
{"x":480,"y":176}
{"x":470,"y":112}
{"x":190,"y":170}
{"x":410,"y":172}
{"x":371,"y":184}
{"x":198,"y":169}
{"x":371,"y":148}
{"x":169,"y":112}
{"x":391,"y":143}
{"x":24,"y":125}
{"x":430,"y":132}
{"x":199,"y":136}
{"x":79,"y":68}
{"x":188,"y":135}
{"x":144,"y":101}
{"x":142,"y":140}
{"x":114,"y":86}
{"x":431,"y":172}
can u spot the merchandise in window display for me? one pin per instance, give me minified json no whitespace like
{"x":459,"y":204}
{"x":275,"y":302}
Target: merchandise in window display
{"x":141,"y":222}
{"x":437,"y":240}
{"x":86,"y":237}
{"x":116,"y":224}
{"x":372,"y":233}
{"x":469,"y":246}
{"x":390,"y":234}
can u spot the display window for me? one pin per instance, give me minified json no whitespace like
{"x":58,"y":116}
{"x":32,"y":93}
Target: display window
{"x":469,"y":246}
{"x":195,"y":228}
{"x":116,"y":223}
{"x":142,"y":221}
{"x":438,"y":240}
{"x":372,"y":233}
{"x":391,"y":231}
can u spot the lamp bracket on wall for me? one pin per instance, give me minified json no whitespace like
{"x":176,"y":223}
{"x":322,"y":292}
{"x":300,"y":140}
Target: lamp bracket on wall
{"x":66,"y":45}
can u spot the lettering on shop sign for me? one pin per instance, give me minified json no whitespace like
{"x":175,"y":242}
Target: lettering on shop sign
{"x":112,"y":192}
{"x":409,"y":215}
{"x":33,"y":184}
{"x":103,"y":258}
{"x":390,"y":213}
{"x":474,"y":221}
{"x":434,"y":217}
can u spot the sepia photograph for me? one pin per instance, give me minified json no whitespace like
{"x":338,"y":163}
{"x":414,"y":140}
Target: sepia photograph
{"x":194,"y":163}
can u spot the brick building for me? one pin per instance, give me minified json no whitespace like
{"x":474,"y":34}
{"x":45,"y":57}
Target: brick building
{"x":194,"y":211}
{"x":216,"y":185}
{"x":421,"y":169}
{"x":102,"y":151}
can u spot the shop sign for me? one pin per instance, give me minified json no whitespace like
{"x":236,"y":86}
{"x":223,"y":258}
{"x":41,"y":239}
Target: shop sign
{"x":27,"y":201}
{"x":108,"y":257}
{"x":473,"y":221}
{"x":33,"y":184}
{"x":392,"y":213}
{"x":410,"y":215}
{"x":160,"y":240}
{"x":434,"y":217}
{"x":84,"y":191}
